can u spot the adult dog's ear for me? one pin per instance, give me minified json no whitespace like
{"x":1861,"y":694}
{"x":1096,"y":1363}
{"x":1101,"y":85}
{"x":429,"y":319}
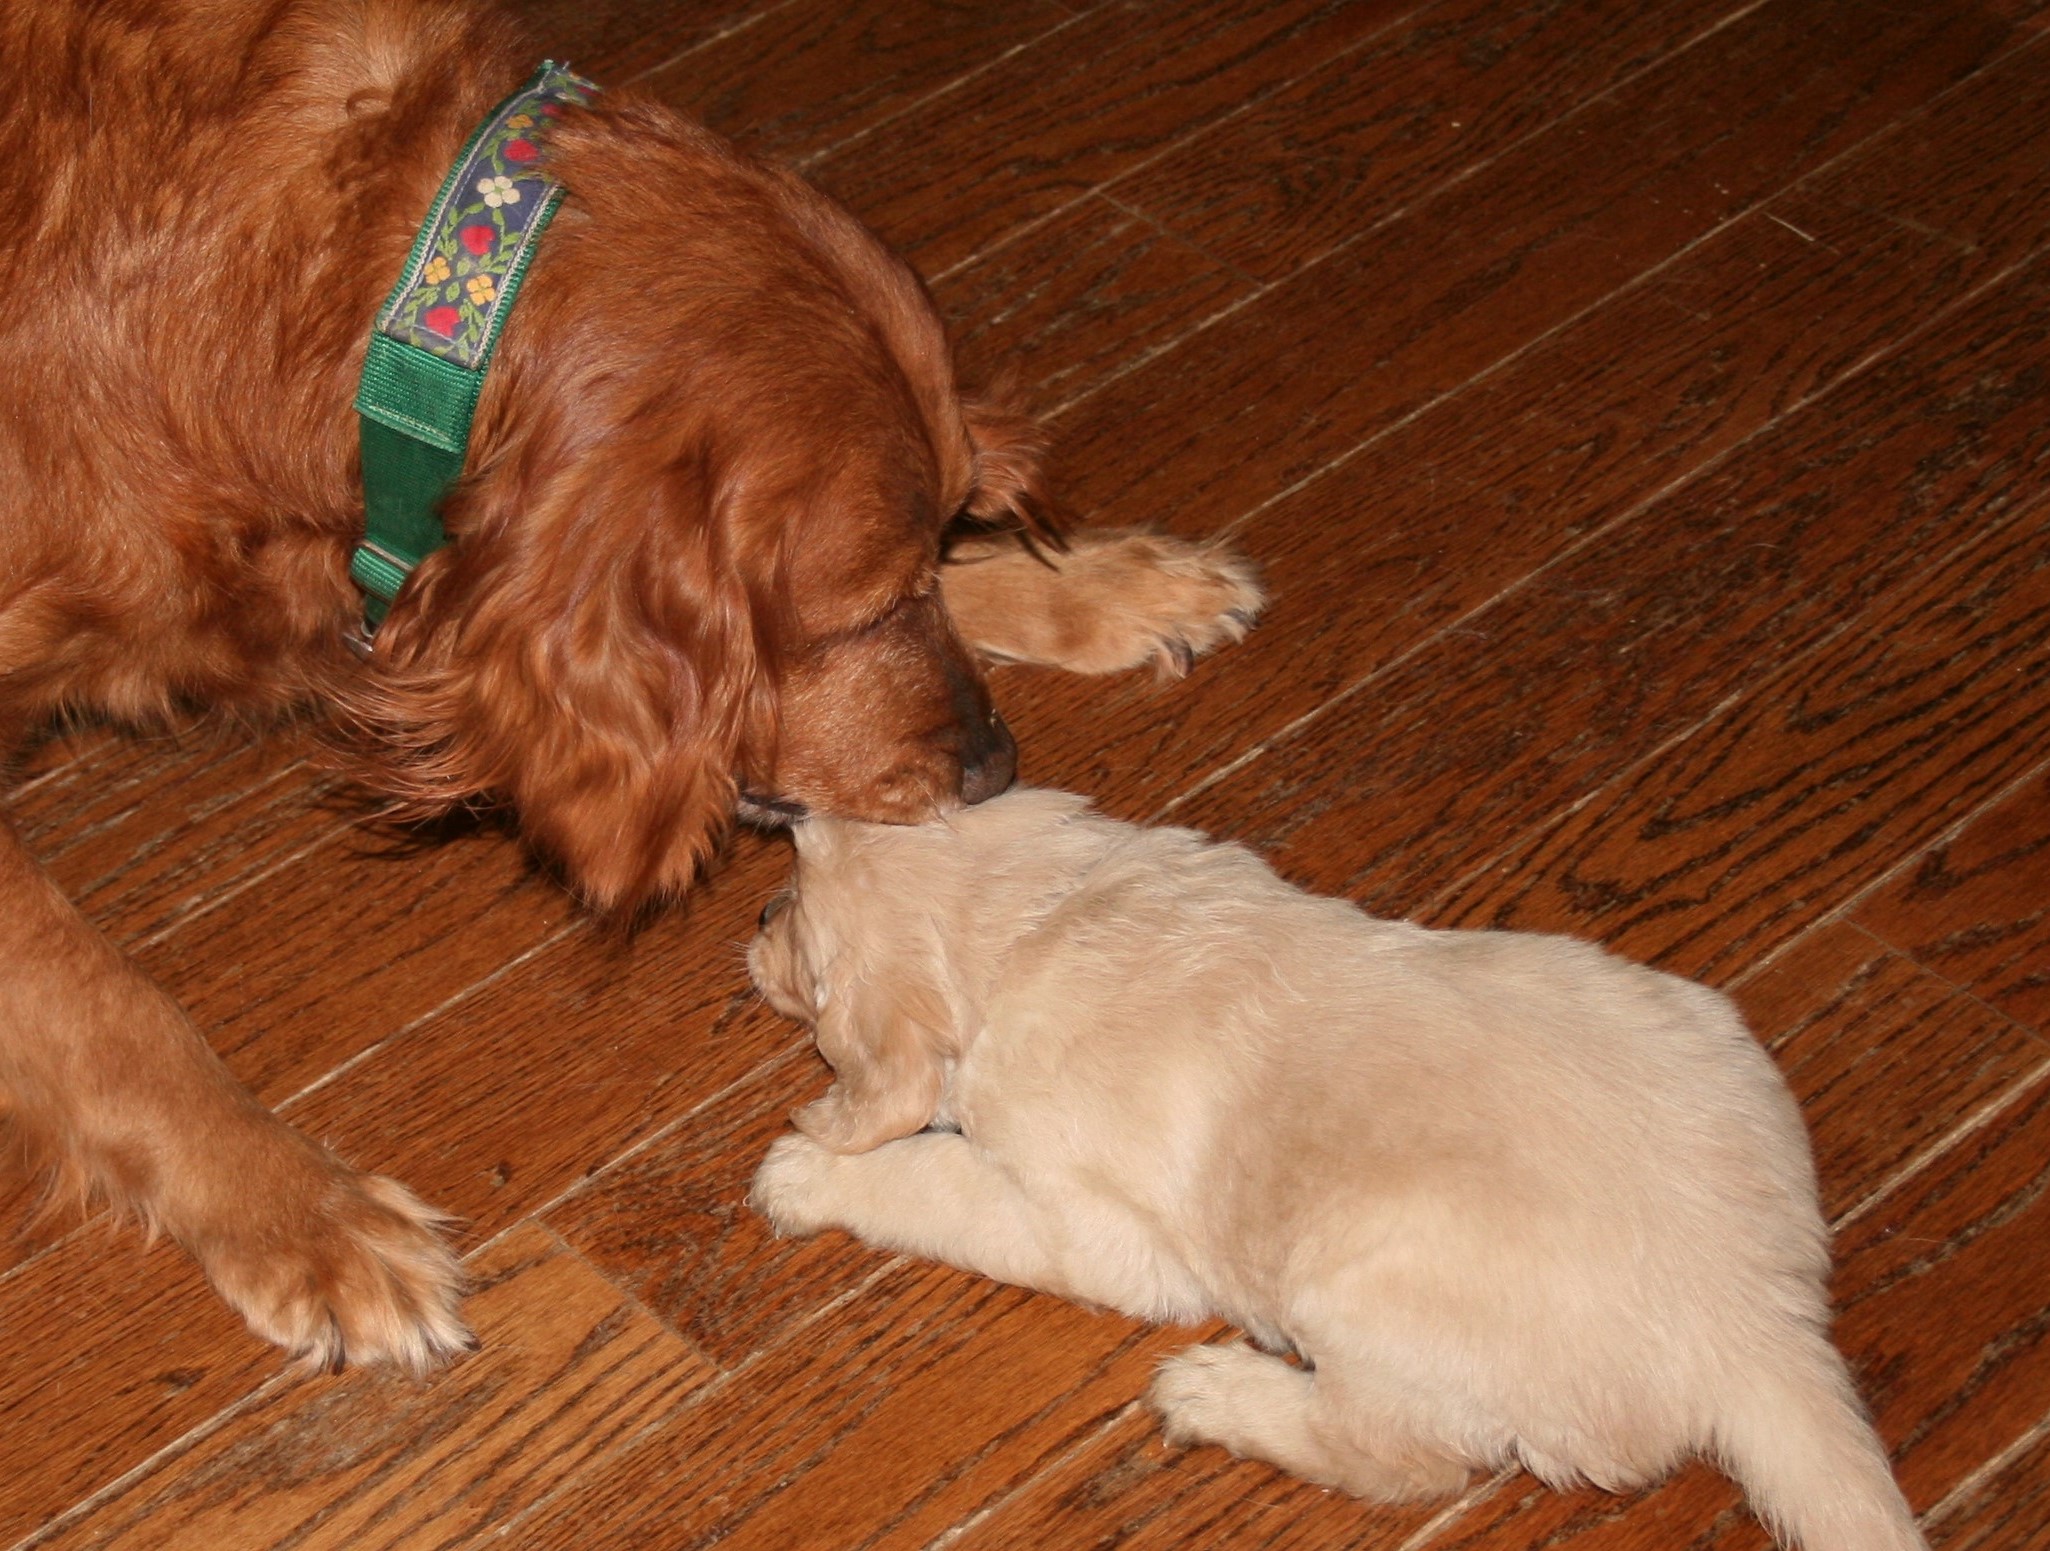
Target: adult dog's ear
{"x":1009,"y":489}
{"x":887,"y":1044}
{"x":583,"y":649}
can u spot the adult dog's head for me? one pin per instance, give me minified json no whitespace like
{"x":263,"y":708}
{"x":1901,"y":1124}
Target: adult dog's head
{"x":694,"y":561}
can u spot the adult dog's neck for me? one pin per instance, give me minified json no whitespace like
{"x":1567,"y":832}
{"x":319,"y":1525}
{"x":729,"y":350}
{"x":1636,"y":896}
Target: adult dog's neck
{"x":203,"y":222}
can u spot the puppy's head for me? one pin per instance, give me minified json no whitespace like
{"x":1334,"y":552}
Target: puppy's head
{"x":869,"y":977}
{"x":694,"y":563}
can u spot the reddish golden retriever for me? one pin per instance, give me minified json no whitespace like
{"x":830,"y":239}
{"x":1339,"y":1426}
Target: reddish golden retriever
{"x":695,"y":557}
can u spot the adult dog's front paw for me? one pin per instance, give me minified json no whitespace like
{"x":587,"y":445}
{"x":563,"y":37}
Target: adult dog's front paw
{"x":1168,"y":601}
{"x":792,"y":1187}
{"x":345,"y":1268}
{"x":1114,"y":599}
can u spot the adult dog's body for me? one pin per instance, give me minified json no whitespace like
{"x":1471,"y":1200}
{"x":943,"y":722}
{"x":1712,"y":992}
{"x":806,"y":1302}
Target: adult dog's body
{"x":1513,"y":1200}
{"x":694,"y":559}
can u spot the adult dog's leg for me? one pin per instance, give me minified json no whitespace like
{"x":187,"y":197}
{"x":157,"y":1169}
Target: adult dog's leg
{"x":1115,"y":599}
{"x":117,"y":1094}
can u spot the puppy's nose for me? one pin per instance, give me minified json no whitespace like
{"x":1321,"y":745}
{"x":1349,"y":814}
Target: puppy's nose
{"x":990,"y":763}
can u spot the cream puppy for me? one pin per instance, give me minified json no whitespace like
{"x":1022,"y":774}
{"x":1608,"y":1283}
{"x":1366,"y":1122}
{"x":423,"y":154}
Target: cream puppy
{"x":1505,"y":1197}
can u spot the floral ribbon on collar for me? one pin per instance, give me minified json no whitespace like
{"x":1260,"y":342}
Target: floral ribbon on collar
{"x":435,"y":334}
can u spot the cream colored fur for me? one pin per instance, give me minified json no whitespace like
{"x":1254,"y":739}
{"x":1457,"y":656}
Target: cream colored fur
{"x":1507,"y":1197}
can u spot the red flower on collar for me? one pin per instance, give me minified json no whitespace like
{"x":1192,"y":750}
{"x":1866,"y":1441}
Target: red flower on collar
{"x":479,"y":239}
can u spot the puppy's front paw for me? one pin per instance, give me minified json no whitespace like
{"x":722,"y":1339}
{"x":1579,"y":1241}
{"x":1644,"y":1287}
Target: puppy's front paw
{"x":791,"y":1187}
{"x":351,"y":1270}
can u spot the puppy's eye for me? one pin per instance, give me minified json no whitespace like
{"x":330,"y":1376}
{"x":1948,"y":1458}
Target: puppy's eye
{"x":772,"y":909}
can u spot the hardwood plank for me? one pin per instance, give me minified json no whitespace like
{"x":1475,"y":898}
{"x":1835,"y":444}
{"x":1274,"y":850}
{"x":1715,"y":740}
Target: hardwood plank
{"x":1126,"y":1488}
{"x":1445,"y":511}
{"x":502,"y":1102}
{"x":140,"y":832}
{"x":114,"y":1352}
{"x":1781,"y":808}
{"x":1536,"y":701}
{"x":1883,"y":1056}
{"x":1358,"y":140}
{"x":54,"y":750}
{"x":1349,"y":347}
{"x":1956,"y":171}
{"x":348,"y":943}
{"x":568,"y":1370}
{"x":2008,"y":1507}
{"x":671,"y":1225}
{"x":925,"y":1396}
{"x":1078,"y":299}
{"x":1047,"y":124}
{"x":809,"y":75}
{"x":1943,"y":1293}
{"x":1976,"y":909}
{"x":615,"y":41}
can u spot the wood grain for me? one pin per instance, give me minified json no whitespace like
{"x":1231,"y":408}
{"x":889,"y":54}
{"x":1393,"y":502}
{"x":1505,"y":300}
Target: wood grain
{"x":1353,"y":143}
{"x":1562,"y":685}
{"x":1078,"y":299}
{"x":809,"y":75}
{"x":114,"y":1352}
{"x":2009,"y":1506}
{"x":614,"y":41}
{"x":1046,"y":124}
{"x":1883,"y":1055}
{"x":503,"y":1101}
{"x":1977,"y":908}
{"x":1640,"y":413}
{"x":1442,"y":513}
{"x":374,"y":1462}
{"x":671,"y":1224}
{"x":927,"y":1394}
{"x":1348,"y":347}
{"x":1883,"y":737}
{"x":141,"y":832}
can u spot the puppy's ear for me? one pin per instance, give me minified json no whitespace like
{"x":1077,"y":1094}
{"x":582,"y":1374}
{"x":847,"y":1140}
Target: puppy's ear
{"x":887,"y":1043}
{"x":1009,"y":491}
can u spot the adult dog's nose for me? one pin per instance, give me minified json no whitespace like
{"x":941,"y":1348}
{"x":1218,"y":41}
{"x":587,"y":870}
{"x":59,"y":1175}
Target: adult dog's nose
{"x":989,"y":764}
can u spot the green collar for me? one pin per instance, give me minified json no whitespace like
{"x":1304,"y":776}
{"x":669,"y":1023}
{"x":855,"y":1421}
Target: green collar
{"x":435,"y":334}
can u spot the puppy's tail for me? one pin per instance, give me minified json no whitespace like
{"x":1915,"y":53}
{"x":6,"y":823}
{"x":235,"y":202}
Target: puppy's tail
{"x":1797,"y":1440}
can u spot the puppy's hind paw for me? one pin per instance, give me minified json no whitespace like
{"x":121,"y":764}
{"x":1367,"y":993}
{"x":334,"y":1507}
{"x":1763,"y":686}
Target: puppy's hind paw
{"x":1201,"y":1392}
{"x":361,"y":1277}
{"x":790,"y":1189}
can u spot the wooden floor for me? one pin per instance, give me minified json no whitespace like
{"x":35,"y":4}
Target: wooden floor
{"x":1642,"y":411}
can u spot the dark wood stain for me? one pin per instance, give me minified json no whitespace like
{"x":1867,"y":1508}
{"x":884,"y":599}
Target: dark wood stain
{"x":1642,"y":414}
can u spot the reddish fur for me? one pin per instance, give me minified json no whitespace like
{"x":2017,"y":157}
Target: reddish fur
{"x":695,"y":552}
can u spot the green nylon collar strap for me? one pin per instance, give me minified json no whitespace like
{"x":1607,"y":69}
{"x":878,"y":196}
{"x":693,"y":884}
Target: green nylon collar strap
{"x":435,"y":334}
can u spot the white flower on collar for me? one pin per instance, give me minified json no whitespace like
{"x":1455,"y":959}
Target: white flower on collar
{"x":498,"y":191}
